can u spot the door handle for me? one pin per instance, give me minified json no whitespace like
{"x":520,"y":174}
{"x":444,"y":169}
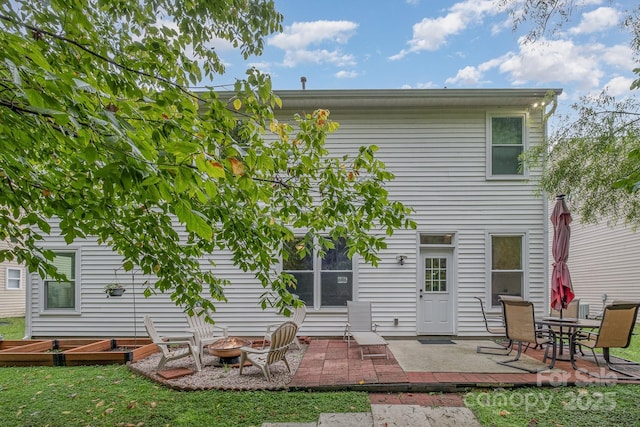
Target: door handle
{"x":420,"y":293}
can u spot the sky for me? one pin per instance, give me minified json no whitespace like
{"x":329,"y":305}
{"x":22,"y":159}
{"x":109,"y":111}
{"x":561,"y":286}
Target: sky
{"x":394,"y":44}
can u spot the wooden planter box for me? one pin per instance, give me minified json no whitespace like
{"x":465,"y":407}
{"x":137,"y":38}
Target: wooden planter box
{"x":74,"y":352}
{"x":32,"y":353}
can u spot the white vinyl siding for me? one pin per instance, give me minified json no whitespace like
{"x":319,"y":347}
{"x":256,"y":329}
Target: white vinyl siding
{"x":603,"y":260}
{"x":12,"y":300}
{"x":438,"y":155}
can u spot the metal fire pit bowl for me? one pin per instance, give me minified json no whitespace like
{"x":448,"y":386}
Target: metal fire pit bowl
{"x":227,"y":348}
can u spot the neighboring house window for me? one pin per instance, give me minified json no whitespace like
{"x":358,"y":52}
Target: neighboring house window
{"x":507,"y":273}
{"x":506,"y":141}
{"x":321,"y":282}
{"x":62,"y":295}
{"x":14,"y":278}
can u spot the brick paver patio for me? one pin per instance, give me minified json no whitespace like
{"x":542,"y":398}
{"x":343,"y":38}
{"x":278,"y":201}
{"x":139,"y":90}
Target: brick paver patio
{"x":331,"y":364}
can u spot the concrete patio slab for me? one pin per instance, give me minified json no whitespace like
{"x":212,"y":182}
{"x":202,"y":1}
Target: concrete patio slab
{"x":461,"y":356}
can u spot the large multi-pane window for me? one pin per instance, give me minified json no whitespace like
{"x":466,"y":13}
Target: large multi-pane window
{"x":61,"y":295}
{"x":506,"y":143}
{"x":507,"y":273}
{"x":325,"y":281}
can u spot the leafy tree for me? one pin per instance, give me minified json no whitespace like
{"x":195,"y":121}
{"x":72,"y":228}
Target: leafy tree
{"x":101,"y":137}
{"x":594,"y":156}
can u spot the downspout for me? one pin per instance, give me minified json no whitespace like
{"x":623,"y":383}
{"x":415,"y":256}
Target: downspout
{"x":547,"y":222}
{"x":27,"y":307}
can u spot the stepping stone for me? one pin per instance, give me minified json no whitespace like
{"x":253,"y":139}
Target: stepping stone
{"x":448,"y":416}
{"x":400,"y":416}
{"x":352,"y":419}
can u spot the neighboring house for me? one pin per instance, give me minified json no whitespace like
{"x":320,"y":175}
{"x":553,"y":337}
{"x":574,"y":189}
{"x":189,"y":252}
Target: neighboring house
{"x":12,"y":287}
{"x":481,"y":230}
{"x":603,"y":262}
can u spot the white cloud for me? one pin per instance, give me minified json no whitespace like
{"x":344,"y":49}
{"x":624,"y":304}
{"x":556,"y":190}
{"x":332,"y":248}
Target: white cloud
{"x":427,"y":85}
{"x":302,"y":34}
{"x":321,"y":56}
{"x":601,"y":19}
{"x":432,"y":33}
{"x":553,"y":61}
{"x":343,"y":74}
{"x":297,"y":38}
{"x":467,"y":76}
{"x":619,"y":56}
{"x":619,"y":86}
{"x":474,"y":76}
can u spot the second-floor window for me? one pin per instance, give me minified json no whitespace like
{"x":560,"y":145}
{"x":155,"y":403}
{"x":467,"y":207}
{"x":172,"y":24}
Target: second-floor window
{"x":506,"y":141}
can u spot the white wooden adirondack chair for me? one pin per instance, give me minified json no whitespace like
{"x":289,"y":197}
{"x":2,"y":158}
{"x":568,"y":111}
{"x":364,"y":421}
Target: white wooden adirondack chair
{"x":281,"y":340}
{"x":204,"y":333}
{"x":172,"y":347}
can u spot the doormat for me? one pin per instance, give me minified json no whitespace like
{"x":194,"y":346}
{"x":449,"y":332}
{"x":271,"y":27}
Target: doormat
{"x":436,"y":342}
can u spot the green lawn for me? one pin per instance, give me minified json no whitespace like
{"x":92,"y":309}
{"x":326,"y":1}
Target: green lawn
{"x":12,"y":328}
{"x":113,"y":395}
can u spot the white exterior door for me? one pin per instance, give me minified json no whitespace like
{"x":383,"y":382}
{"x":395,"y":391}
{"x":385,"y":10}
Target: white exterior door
{"x":435,"y":292}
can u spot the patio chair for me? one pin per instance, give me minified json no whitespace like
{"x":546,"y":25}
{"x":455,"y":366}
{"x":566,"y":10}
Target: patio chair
{"x":204,"y":333}
{"x":520,"y":325}
{"x":297,"y":317}
{"x":495,"y":326}
{"x":616,"y":328}
{"x":281,"y":339}
{"x":362,"y":330}
{"x":510,"y":298}
{"x":172,"y":347}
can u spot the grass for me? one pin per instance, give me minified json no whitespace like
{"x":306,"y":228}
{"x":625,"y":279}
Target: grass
{"x":12,"y":328}
{"x":559,"y":406}
{"x":113,"y":395}
{"x":591,"y":405}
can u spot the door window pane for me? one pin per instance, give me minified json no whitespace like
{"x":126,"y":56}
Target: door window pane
{"x":435,"y":275}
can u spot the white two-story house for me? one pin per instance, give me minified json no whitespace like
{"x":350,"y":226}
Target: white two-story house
{"x":481,"y":231}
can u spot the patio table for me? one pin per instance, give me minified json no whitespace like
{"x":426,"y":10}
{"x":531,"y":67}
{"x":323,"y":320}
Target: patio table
{"x":566,"y":327}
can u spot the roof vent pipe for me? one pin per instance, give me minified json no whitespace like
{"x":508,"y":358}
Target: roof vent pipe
{"x":303,"y":80}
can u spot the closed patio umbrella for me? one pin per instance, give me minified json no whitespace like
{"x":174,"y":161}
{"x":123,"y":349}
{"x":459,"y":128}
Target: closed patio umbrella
{"x":561,"y":288}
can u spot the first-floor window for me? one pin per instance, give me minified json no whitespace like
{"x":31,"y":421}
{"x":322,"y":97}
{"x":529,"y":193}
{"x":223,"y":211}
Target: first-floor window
{"x":14,"y":278}
{"x":325,"y":281}
{"x":507,"y":274}
{"x":61,"y":295}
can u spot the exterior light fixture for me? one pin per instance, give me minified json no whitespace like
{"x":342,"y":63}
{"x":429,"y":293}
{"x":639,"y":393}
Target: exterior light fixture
{"x":401,"y":259}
